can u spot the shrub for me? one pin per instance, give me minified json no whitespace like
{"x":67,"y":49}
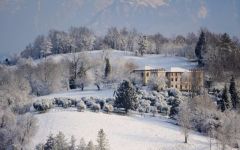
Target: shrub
{"x":42,"y":105}
{"x":95,"y":107}
{"x":81,"y":106}
{"x":108,"y":108}
{"x":153,"y":111}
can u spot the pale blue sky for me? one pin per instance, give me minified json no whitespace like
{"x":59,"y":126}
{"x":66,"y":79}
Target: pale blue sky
{"x":22,"y":20}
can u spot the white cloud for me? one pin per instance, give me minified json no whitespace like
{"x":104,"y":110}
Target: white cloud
{"x":202,"y":13}
{"x":151,"y":3}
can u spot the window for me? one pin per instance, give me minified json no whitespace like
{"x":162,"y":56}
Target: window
{"x":147,"y":74}
{"x":171,"y":79}
{"x":176,"y":79}
{"x":176,"y":86}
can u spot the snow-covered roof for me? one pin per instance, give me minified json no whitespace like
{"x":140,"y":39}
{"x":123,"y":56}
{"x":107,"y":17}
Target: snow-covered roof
{"x":178,"y":69}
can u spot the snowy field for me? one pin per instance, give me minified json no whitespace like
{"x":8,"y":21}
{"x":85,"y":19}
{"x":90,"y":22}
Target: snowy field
{"x":155,"y":61}
{"x":123,"y":132}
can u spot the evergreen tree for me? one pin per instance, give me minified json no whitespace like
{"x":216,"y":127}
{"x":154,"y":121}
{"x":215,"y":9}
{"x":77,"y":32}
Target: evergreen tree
{"x":174,"y":107}
{"x":222,"y":105}
{"x":226,"y":102}
{"x":126,"y":96}
{"x":82,"y":145}
{"x":90,"y":146}
{"x":82,"y":75}
{"x":102,"y":141}
{"x":107,"y":68}
{"x":200,"y":48}
{"x":50,"y":144}
{"x":142,"y":45}
{"x":233,"y":92}
{"x":72,"y":145}
{"x":61,"y":143}
{"x":40,"y":147}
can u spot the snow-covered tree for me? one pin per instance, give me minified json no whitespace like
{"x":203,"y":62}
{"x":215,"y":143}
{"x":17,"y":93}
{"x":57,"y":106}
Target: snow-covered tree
{"x":184,"y":119}
{"x":45,"y":47}
{"x":61,"y":142}
{"x":82,"y":145}
{"x":90,"y":146}
{"x":108,"y":108}
{"x":157,"y":84}
{"x":72,"y":144}
{"x":81,"y":106}
{"x":142,"y":45}
{"x":225,"y":101}
{"x":102,"y":141}
{"x":126,"y":96}
{"x":83,"y":38}
{"x":201,"y":48}
{"x":107,"y":67}
{"x":234,"y":96}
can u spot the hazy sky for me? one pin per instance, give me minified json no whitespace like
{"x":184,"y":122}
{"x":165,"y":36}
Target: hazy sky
{"x":22,"y":20}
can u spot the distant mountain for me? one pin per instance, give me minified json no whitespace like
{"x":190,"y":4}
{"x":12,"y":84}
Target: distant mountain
{"x":140,"y":14}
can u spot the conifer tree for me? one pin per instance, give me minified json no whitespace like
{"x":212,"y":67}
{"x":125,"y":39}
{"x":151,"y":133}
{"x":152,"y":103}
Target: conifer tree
{"x":82,"y":75}
{"x":226,"y":101}
{"x":50,"y":144}
{"x":72,"y":145}
{"x":222,"y":105}
{"x":107,"y":68}
{"x":233,"y":92}
{"x":102,"y":141}
{"x":82,"y":145}
{"x":200,"y":48}
{"x":90,"y":146}
{"x":142,"y":44}
{"x":126,"y":96}
{"x":61,"y":143}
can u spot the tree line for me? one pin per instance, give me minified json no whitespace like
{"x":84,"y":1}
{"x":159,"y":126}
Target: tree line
{"x":79,"y":39}
{"x":59,"y":142}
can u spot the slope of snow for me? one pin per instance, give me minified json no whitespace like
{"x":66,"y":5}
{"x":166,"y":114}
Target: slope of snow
{"x":116,"y":56}
{"x":123,"y":132}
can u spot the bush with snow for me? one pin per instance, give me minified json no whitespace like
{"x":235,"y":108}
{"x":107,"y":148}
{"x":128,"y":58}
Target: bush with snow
{"x":157,"y":84}
{"x":174,"y":92}
{"x":101,"y":102}
{"x":81,"y":106}
{"x":43,"y":105}
{"x":153,"y":110}
{"x":108,"y":108}
{"x":95,"y":107}
{"x":64,"y":102}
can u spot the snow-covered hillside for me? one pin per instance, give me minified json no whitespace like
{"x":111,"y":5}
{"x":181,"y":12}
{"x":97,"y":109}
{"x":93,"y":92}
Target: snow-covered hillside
{"x":123,"y":132}
{"x":155,"y":61}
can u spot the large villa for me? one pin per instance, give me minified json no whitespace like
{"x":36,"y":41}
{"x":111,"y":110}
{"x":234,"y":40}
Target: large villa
{"x":179,"y":78}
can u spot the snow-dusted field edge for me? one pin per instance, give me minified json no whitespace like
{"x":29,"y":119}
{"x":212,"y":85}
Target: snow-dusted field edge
{"x":123,"y":132}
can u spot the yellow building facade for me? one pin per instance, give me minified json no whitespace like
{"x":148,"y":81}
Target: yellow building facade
{"x":178,"y":78}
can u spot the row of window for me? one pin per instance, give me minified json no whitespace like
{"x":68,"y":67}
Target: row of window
{"x":176,"y":79}
{"x":176,"y":86}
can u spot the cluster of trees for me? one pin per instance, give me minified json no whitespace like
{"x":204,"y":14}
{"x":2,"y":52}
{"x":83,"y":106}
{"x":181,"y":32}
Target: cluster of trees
{"x":229,"y":98}
{"x":218,"y":54}
{"x":59,"y":142}
{"x":202,"y":114}
{"x":79,"y":39}
{"x":52,"y":74}
{"x":17,"y":126}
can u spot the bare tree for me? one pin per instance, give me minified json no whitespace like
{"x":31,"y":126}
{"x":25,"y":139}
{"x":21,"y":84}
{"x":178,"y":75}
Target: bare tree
{"x":184,"y":120}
